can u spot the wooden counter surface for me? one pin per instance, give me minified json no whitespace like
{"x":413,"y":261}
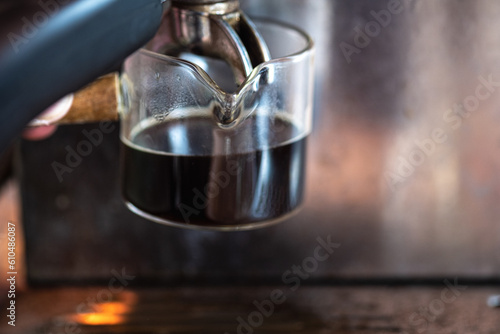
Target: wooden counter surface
{"x":339,"y":310}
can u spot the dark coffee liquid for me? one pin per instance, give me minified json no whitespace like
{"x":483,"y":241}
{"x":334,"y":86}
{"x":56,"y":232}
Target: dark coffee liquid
{"x":183,"y":171}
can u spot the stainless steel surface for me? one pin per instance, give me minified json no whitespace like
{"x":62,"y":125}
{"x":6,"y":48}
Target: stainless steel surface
{"x":217,"y":30}
{"x":394,"y":94}
{"x":208,"y":7}
{"x":199,"y":1}
{"x":440,"y":219}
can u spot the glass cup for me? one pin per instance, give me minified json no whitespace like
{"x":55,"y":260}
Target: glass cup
{"x":198,"y":156}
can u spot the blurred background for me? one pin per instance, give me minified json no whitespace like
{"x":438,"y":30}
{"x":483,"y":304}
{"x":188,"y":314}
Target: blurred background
{"x":402,"y":166}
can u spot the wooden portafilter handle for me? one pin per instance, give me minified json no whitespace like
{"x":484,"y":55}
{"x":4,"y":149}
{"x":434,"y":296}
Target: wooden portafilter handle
{"x":96,"y":102}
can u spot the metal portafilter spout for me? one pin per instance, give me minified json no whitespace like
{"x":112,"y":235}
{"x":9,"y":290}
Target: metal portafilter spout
{"x":217,"y":29}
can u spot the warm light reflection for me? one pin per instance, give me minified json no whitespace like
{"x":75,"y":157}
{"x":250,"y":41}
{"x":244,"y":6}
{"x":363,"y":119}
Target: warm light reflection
{"x":98,"y":319}
{"x":113,"y":308}
{"x":106,"y":314}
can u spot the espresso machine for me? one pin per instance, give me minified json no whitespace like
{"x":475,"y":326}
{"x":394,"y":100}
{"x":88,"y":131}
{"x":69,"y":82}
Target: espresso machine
{"x":399,"y":228}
